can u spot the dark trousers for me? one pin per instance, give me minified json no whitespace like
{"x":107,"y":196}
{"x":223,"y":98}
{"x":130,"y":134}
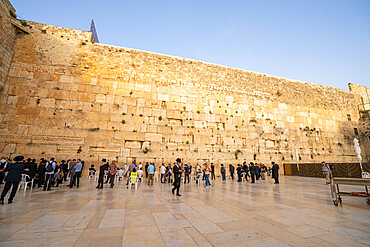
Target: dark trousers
{"x":223,"y":176}
{"x":176,"y":185}
{"x":186,"y":178}
{"x":48,"y":181}
{"x":253,"y":177}
{"x":111,"y":177}
{"x":213,"y":175}
{"x":41,"y":179}
{"x":276,"y":179}
{"x":1,"y":177}
{"x":232,"y":175}
{"x":7,"y":188}
{"x":72,"y":179}
{"x":163,"y":178}
{"x":76,"y":178}
{"x":100,"y":180}
{"x":65,"y":174}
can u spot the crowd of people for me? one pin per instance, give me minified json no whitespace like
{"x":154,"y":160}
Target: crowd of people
{"x":52,"y":173}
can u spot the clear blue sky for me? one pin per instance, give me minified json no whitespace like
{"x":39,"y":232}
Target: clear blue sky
{"x":319,"y":41}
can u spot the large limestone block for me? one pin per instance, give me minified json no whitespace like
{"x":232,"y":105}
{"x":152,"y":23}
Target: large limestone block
{"x":153,"y":137}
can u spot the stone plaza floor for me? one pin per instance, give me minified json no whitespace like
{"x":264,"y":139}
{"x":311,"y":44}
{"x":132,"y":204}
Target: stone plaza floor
{"x":297,"y":212}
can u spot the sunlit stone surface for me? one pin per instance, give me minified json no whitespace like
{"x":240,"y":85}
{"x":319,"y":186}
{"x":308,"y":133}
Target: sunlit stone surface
{"x":297,"y":212}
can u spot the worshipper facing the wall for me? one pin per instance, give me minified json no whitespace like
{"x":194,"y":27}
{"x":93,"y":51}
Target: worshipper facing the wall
{"x":275,"y":172}
{"x":12,"y":179}
{"x":41,"y":172}
{"x":50,"y":169}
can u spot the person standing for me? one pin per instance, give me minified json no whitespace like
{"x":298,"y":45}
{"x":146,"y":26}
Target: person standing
{"x":102,"y":168}
{"x":72,"y":171}
{"x":64,"y":170}
{"x":12,"y":179}
{"x":163,"y":174}
{"x":207,"y":172}
{"x":112,"y":172}
{"x":77,"y":174}
{"x":326,"y":171}
{"x":58,"y":174}
{"x":177,"y":174}
{"x":130,"y":169}
{"x":151,"y":169}
{"x":187,"y":172}
{"x":146,"y":170}
{"x":239,"y":172}
{"x":213,"y":172}
{"x":3,"y":163}
{"x":275,"y":172}
{"x":41,"y":172}
{"x":253,"y":171}
{"x":231,"y":170}
{"x":223,"y":172}
{"x":49,"y":174}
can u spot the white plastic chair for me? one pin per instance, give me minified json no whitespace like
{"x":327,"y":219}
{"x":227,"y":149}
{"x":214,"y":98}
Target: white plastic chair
{"x":156,"y":176}
{"x":24,"y":182}
{"x":120,"y":175}
{"x":129,"y":184}
{"x":106,"y":175}
{"x":91,"y":175}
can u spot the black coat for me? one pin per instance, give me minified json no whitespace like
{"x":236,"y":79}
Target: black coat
{"x":33,"y":169}
{"x":275,"y":171}
{"x":14,"y":172}
{"x":176,"y":171}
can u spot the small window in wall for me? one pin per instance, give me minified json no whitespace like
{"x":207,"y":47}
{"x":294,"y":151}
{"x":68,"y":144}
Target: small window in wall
{"x":164,"y":104}
{"x":163,"y":139}
{"x":356,"y":131}
{"x":349,"y":117}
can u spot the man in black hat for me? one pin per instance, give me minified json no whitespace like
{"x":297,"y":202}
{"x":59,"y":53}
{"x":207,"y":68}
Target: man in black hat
{"x":12,"y":179}
{"x":103,"y":167}
{"x":177,"y":174}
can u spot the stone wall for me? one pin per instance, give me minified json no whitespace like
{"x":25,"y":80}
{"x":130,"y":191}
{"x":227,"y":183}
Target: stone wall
{"x":7,"y":37}
{"x":68,"y":97}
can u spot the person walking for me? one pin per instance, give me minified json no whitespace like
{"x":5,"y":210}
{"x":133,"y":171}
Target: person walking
{"x":112,"y":172}
{"x":326,"y":171}
{"x":275,"y":172}
{"x":177,"y":174}
{"x":102,"y":168}
{"x":12,"y":179}
{"x":207,"y":171}
{"x":49,"y":174}
{"x":151,"y":169}
{"x":223,"y":172}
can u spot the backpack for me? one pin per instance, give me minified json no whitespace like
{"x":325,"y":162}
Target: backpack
{"x":222,"y":169}
{"x":49,"y":167}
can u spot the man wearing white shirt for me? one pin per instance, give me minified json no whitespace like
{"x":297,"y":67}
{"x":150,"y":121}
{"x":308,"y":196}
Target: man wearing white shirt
{"x":163,"y":174}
